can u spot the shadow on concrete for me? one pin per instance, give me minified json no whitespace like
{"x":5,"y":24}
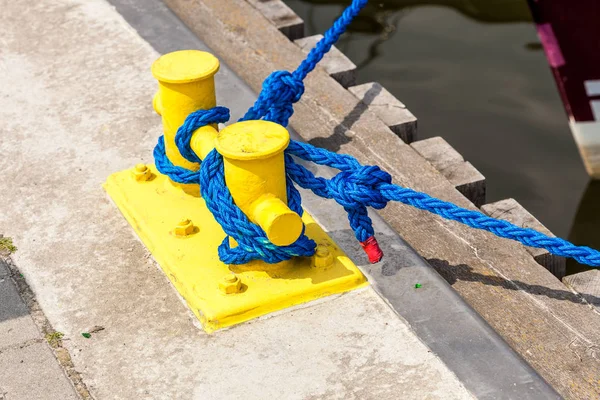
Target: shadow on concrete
{"x":453,"y":330}
{"x":300,"y":267}
{"x":397,"y":254}
{"x":11,"y":305}
{"x":339,"y":137}
{"x":463,"y":272}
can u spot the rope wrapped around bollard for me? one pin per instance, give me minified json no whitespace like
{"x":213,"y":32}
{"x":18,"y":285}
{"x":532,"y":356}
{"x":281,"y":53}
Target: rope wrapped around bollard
{"x":355,"y":187}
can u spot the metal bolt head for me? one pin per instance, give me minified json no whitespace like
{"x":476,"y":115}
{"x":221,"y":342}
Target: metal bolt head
{"x":141,"y":173}
{"x":323,"y":257}
{"x":322,"y":251}
{"x":185,"y":227}
{"x":230,"y":284}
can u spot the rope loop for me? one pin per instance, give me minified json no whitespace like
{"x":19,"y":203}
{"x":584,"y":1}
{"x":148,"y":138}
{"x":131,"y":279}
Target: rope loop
{"x":194,"y":121}
{"x":252,"y":241}
{"x":166,"y":167}
{"x":183,"y":137}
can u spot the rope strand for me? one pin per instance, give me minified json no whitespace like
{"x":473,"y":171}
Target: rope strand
{"x":282,"y":89}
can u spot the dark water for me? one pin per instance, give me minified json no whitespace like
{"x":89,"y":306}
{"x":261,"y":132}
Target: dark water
{"x":473,"y":72}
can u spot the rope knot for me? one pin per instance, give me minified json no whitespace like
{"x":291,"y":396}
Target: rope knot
{"x":275,"y":102}
{"x":360,"y":187}
{"x":283,"y":87}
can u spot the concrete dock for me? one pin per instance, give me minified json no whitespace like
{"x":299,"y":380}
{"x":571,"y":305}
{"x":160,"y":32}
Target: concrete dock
{"x":76,"y":97}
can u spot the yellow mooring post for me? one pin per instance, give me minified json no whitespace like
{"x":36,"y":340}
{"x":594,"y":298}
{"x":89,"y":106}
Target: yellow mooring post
{"x":185,"y":84}
{"x":255,"y":175}
{"x":173,"y":222}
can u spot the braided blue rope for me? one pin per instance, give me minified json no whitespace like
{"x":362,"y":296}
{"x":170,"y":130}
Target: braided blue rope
{"x":195,"y":120}
{"x":282,"y":89}
{"x":252,"y":241}
{"x":355,"y":187}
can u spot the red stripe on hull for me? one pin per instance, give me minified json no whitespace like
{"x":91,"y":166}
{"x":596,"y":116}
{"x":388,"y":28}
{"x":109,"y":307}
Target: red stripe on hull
{"x":570,"y":33}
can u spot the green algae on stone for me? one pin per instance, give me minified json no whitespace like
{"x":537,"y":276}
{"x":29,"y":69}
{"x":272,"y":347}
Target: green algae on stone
{"x":54,"y":338}
{"x":6,"y":245}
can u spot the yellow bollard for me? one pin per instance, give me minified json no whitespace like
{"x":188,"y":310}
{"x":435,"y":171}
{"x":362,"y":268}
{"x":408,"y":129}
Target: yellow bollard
{"x":185,"y":84}
{"x":254,"y":167}
{"x":255,"y":175}
{"x":182,"y":234}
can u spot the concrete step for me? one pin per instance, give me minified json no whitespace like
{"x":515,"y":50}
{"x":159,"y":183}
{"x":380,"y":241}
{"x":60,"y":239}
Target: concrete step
{"x":388,"y":108}
{"x":283,"y":17}
{"x":587,"y":284}
{"x":464,"y":176}
{"x":511,"y":211}
{"x":335,"y":62}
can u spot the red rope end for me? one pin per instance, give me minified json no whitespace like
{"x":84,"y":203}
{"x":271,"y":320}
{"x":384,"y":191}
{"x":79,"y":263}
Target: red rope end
{"x":371,"y":247}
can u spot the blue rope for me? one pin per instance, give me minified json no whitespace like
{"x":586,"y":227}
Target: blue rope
{"x":282,"y":89}
{"x":358,"y":186}
{"x":195,"y":120}
{"x":355,"y":187}
{"x":252,"y":241}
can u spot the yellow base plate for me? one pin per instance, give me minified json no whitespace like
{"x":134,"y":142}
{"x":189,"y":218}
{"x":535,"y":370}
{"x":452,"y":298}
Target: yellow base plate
{"x":154,"y":207}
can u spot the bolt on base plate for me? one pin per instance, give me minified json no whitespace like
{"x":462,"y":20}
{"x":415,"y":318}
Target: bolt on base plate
{"x":222,"y":295}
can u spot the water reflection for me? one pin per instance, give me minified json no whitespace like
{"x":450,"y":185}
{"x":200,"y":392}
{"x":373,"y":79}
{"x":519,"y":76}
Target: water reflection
{"x":381,"y":18}
{"x":488,"y":11}
{"x":586,"y":224}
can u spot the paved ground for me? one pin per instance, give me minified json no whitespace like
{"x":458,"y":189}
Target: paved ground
{"x":76,"y":97}
{"x":28,"y":368}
